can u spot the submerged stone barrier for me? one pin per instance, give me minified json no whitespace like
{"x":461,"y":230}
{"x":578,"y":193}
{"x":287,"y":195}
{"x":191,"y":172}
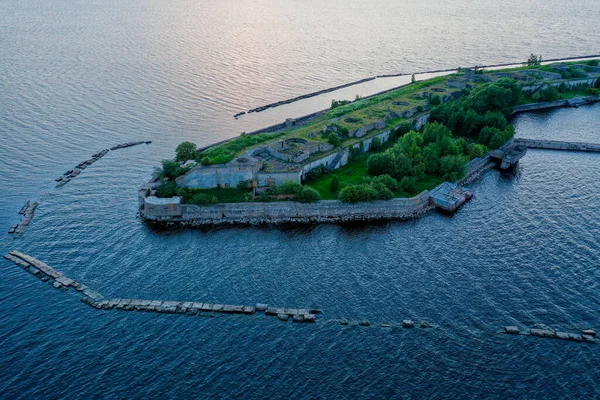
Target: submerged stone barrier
{"x":406,"y":324}
{"x":72,"y":173}
{"x":27,"y":211}
{"x":129,"y":144}
{"x":304,"y":96}
{"x":98,"y":301}
{"x":587,"y":335}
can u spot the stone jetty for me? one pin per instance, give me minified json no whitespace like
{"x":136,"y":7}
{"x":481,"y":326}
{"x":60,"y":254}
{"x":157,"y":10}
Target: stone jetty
{"x":72,"y":173}
{"x":98,"y":301}
{"x":587,"y":335}
{"x":27,"y":211}
{"x":130,"y":144}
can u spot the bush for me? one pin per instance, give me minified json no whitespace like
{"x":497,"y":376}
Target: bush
{"x":409,"y":184}
{"x":592,"y":91}
{"x":477,"y":150}
{"x":334,"y":139}
{"x":308,"y":195}
{"x":315,"y":173}
{"x":386,"y":181}
{"x":452,"y":168}
{"x":379,"y":164}
{"x":534,"y":60}
{"x":403,"y":129}
{"x":383,"y":193}
{"x":205,"y":161}
{"x":593,"y":63}
{"x":203,"y":199}
{"x":357,"y":193}
{"x":375,"y":144}
{"x":549,"y":93}
{"x":338,"y":103}
{"x":435,"y":100}
{"x":334,"y":185}
{"x":186,"y":151}
{"x":287,"y":187}
{"x":166,"y":189}
{"x":171,"y":169}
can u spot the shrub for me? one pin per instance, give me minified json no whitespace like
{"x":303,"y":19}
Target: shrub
{"x":338,"y":103}
{"x":203,"y":199}
{"x":375,"y":144}
{"x":592,"y":91}
{"x":308,"y":195}
{"x":166,"y":189}
{"x":549,"y":93}
{"x":315,"y":173}
{"x":383,"y":193}
{"x":287,"y":187}
{"x":593,"y":63}
{"x":334,"y":185}
{"x":477,"y":150}
{"x":334,"y":139}
{"x":403,"y":129}
{"x":409,"y":184}
{"x":435,"y":100}
{"x":357,"y":193}
{"x":171,"y":169}
{"x":434,"y":132}
{"x":534,"y":60}
{"x":186,"y":151}
{"x":379,"y":164}
{"x":385,"y":180}
{"x":205,"y":161}
{"x":452,"y":168}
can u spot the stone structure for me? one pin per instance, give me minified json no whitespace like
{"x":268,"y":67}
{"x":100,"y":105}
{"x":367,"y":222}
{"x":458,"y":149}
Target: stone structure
{"x":284,"y":211}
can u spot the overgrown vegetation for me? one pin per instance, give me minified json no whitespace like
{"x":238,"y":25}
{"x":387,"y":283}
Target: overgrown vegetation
{"x":227,"y":151}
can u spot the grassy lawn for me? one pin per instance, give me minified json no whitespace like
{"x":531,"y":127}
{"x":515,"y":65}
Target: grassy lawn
{"x":225,"y":195}
{"x":355,"y":172}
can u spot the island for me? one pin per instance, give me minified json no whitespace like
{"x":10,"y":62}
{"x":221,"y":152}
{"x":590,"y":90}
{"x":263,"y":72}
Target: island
{"x":393,"y":155}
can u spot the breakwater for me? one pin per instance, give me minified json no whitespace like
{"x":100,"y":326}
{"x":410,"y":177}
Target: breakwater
{"x":28,"y":211}
{"x":574,"y":103}
{"x":98,"y":301}
{"x":437,"y":71}
{"x":29,"y":207}
{"x":72,"y":173}
{"x":558,"y":145}
{"x":543,"y":331}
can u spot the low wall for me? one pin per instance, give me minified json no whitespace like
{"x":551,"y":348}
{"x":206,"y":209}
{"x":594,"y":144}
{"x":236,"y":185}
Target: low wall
{"x":558,"y":145}
{"x":288,"y":211}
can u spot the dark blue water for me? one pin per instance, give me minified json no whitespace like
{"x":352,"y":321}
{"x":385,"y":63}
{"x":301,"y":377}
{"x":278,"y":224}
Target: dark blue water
{"x":523,"y":252}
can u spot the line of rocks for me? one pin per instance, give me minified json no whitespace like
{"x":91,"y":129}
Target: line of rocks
{"x":304,"y":96}
{"x":72,"y":173}
{"x":587,"y":335}
{"x":27,"y":211}
{"x":130,"y":144}
{"x":96,"y":300}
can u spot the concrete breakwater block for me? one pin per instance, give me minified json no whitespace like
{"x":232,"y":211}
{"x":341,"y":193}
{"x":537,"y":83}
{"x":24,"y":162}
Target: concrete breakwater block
{"x":589,"y":332}
{"x":283,"y":317}
{"x":261,"y":307}
{"x":364,"y":323}
{"x":512,"y":330}
{"x":407,"y":323}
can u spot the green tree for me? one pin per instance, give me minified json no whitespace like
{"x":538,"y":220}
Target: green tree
{"x":334,"y":139}
{"x":186,"y":151}
{"x":171,"y":169}
{"x":452,"y":168}
{"x":490,"y":97}
{"x":375,"y":144}
{"x":434,"y":132}
{"x":534,"y":60}
{"x":409,"y":184}
{"x":381,"y":163}
{"x":477,"y":150}
{"x":166,"y":189}
{"x":435,"y":100}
